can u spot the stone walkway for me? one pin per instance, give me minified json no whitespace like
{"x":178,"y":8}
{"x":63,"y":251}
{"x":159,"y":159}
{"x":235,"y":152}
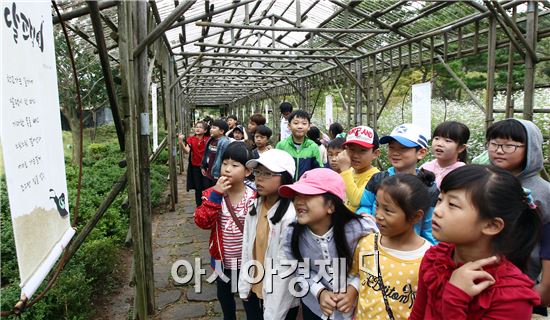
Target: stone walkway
{"x":175,"y":237}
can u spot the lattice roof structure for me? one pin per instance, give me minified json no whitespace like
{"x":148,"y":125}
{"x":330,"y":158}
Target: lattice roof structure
{"x":229,"y":51}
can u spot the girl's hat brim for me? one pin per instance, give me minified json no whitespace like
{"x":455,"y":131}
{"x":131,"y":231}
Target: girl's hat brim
{"x":290,"y":191}
{"x":314,"y":182}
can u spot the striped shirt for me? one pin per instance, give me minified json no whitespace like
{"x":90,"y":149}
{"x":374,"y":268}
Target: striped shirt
{"x":232,"y":237}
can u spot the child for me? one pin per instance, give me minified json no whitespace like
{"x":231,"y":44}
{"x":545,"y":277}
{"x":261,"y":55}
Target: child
{"x":223,"y":211}
{"x":449,"y":149}
{"x":406,"y":146}
{"x":336,"y":130}
{"x":239,"y":134}
{"x":285,"y":108}
{"x":516,"y":146}
{"x":215,"y":147}
{"x":261,"y":139}
{"x":254,"y":121}
{"x":487,"y":227}
{"x":232,"y":122}
{"x":315,"y":134}
{"x":325,"y":229}
{"x":196,"y":145}
{"x":356,"y":163}
{"x":304,"y":151}
{"x":335,"y":146}
{"x":263,"y":235}
{"x":392,"y":258}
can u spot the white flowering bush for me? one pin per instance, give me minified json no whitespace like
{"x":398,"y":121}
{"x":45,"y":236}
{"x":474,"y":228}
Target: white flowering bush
{"x":463,"y":111}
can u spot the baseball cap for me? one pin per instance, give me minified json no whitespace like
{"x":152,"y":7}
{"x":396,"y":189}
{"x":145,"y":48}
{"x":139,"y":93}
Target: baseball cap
{"x":239,"y":128}
{"x":363,"y":136}
{"x":409,"y":135}
{"x":314,"y":182}
{"x":274,"y":160}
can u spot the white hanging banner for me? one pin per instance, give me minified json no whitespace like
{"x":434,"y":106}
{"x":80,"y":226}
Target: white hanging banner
{"x":31,"y":140}
{"x":266,"y":108}
{"x":422,"y":107}
{"x":328,"y":111}
{"x":155,"y":115}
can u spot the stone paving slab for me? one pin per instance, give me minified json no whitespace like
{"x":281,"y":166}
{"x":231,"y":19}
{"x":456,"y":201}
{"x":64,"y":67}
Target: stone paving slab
{"x":176,"y":237}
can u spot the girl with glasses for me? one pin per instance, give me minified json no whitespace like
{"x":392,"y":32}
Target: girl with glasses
{"x":263,"y":230}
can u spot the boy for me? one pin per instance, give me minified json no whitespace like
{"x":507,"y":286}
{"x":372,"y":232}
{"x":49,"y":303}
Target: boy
{"x":261,"y":139}
{"x":355,"y":162}
{"x":231,"y":123}
{"x":286,"y":109}
{"x":254,"y":121}
{"x":211,"y":161}
{"x":516,"y":146}
{"x":406,"y":146}
{"x":304,"y":151}
{"x":239,"y":133}
{"x":334,"y":148}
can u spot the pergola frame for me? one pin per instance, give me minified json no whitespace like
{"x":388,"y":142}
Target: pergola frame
{"x":235,"y":63}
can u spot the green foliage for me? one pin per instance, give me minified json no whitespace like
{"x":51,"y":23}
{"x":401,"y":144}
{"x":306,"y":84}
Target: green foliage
{"x":90,"y":272}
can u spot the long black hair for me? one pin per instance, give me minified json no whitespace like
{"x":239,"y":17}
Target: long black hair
{"x":496,"y":193}
{"x":341,"y":216}
{"x":284,"y":203}
{"x":456,"y":131}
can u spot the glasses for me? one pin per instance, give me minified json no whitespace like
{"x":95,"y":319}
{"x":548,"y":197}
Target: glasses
{"x":506,"y":148}
{"x":265,"y":174}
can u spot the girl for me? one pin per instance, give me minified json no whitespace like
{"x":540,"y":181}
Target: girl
{"x":487,"y":226}
{"x":263,"y":230}
{"x":195,"y":145}
{"x":390,"y":260}
{"x":314,"y":134}
{"x":325,"y":229}
{"x":223,"y":211}
{"x":449,"y":148}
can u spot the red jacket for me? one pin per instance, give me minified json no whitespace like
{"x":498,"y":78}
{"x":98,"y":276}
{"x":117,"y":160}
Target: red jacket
{"x":511,"y":297}
{"x":207,"y":216}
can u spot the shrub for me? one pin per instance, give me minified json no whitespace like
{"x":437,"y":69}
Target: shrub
{"x":90,"y":271}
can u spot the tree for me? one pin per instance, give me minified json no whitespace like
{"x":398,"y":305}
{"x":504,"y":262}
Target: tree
{"x":92,"y":86}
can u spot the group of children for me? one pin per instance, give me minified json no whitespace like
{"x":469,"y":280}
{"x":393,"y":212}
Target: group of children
{"x":443,"y":241}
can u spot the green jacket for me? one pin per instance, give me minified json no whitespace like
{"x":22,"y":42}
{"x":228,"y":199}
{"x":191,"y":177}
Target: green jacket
{"x":307,"y":158}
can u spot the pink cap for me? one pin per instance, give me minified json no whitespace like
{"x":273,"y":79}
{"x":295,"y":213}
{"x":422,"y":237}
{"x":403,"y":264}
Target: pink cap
{"x":314,"y":182}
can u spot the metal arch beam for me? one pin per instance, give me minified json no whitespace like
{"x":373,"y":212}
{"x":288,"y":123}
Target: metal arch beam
{"x":265,"y":48}
{"x":254,"y":55}
{"x":291,"y":29}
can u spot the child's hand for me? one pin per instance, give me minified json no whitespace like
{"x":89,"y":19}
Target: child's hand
{"x":471,"y":278}
{"x":346,"y":301}
{"x":222,"y":185}
{"x":343,"y":161}
{"x":203,"y":172}
{"x":327,"y":302}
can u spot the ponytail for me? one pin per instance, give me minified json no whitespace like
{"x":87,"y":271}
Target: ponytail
{"x":463,"y":156}
{"x":427,"y":177}
{"x":526,"y":234}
